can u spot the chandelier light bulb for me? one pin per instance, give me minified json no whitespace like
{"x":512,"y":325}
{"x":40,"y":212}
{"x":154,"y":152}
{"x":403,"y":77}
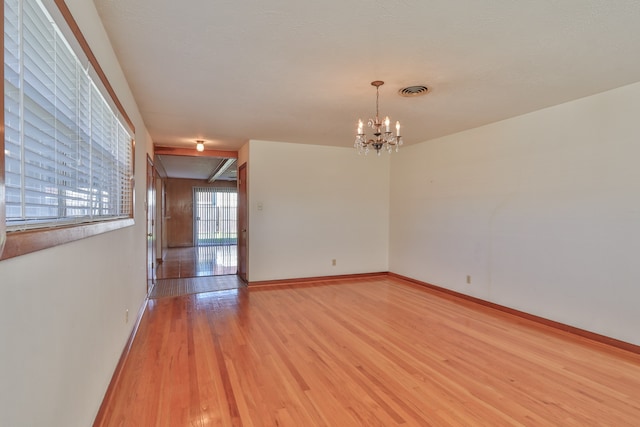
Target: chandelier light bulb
{"x":200,"y":145}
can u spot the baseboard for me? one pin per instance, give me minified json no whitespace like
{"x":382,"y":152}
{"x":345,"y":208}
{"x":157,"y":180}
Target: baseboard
{"x":289,"y":282}
{"x":108,"y":396}
{"x":603,"y":339}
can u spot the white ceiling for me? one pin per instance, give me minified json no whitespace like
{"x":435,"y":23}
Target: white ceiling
{"x":299,"y":71}
{"x":202,"y":168}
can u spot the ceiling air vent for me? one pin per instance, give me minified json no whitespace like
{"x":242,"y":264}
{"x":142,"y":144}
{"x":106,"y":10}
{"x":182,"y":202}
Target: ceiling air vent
{"x":413,"y":91}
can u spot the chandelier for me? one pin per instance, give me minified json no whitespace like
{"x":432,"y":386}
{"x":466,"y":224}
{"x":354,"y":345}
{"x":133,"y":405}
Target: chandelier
{"x":382,"y":137}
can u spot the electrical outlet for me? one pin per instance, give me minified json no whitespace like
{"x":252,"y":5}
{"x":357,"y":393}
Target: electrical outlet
{"x":333,"y":262}
{"x":468,"y":279}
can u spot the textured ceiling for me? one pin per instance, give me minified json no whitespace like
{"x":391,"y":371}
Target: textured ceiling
{"x":285,"y":70}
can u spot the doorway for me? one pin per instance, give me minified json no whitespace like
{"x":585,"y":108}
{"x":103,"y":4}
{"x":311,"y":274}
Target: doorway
{"x":199,"y":214}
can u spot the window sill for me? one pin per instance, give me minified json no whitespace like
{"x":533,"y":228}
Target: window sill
{"x":24,"y":242}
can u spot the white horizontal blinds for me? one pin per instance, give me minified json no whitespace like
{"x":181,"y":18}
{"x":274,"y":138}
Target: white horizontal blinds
{"x":84,"y":147}
{"x":12,"y":108}
{"x":68,"y":155}
{"x":227,"y":203}
{"x":216,"y":215}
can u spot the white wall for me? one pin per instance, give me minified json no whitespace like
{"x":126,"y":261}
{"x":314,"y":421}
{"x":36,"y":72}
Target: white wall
{"x":318,"y":204}
{"x":542,"y":210}
{"x":62,"y":310}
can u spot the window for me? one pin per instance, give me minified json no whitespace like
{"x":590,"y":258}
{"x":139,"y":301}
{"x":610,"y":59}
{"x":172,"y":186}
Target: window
{"x":68,"y":147}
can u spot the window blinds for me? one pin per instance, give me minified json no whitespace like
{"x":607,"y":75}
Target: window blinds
{"x":68,"y":157}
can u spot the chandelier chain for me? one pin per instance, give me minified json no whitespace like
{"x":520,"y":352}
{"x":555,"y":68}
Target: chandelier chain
{"x":377,"y":102}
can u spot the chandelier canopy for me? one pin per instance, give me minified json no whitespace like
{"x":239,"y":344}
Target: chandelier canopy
{"x":382,"y":138}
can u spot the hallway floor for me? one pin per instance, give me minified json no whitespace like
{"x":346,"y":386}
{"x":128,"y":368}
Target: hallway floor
{"x":198,"y":261}
{"x":194,"y":270}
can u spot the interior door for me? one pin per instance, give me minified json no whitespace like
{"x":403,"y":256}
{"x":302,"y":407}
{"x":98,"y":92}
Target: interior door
{"x":150,"y":206}
{"x":243,"y":222}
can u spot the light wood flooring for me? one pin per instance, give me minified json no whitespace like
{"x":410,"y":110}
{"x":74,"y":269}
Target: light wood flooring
{"x":198,"y":261}
{"x":368,"y":352}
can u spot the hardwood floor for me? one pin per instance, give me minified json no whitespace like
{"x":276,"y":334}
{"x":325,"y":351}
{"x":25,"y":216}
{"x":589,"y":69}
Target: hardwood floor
{"x":198,"y":261}
{"x":374,"y":352}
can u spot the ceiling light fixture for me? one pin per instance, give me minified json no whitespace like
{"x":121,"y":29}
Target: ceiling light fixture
{"x":200,"y":145}
{"x":382,"y":138}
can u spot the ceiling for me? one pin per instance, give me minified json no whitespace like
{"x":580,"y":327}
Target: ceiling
{"x":201,"y":168}
{"x":228,"y":71}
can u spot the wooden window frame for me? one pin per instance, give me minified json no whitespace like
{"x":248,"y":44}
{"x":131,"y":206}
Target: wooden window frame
{"x":3,"y":222}
{"x":22,"y":242}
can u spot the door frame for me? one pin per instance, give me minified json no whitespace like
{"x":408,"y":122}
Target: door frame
{"x":150,"y":209}
{"x":243,"y":224}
